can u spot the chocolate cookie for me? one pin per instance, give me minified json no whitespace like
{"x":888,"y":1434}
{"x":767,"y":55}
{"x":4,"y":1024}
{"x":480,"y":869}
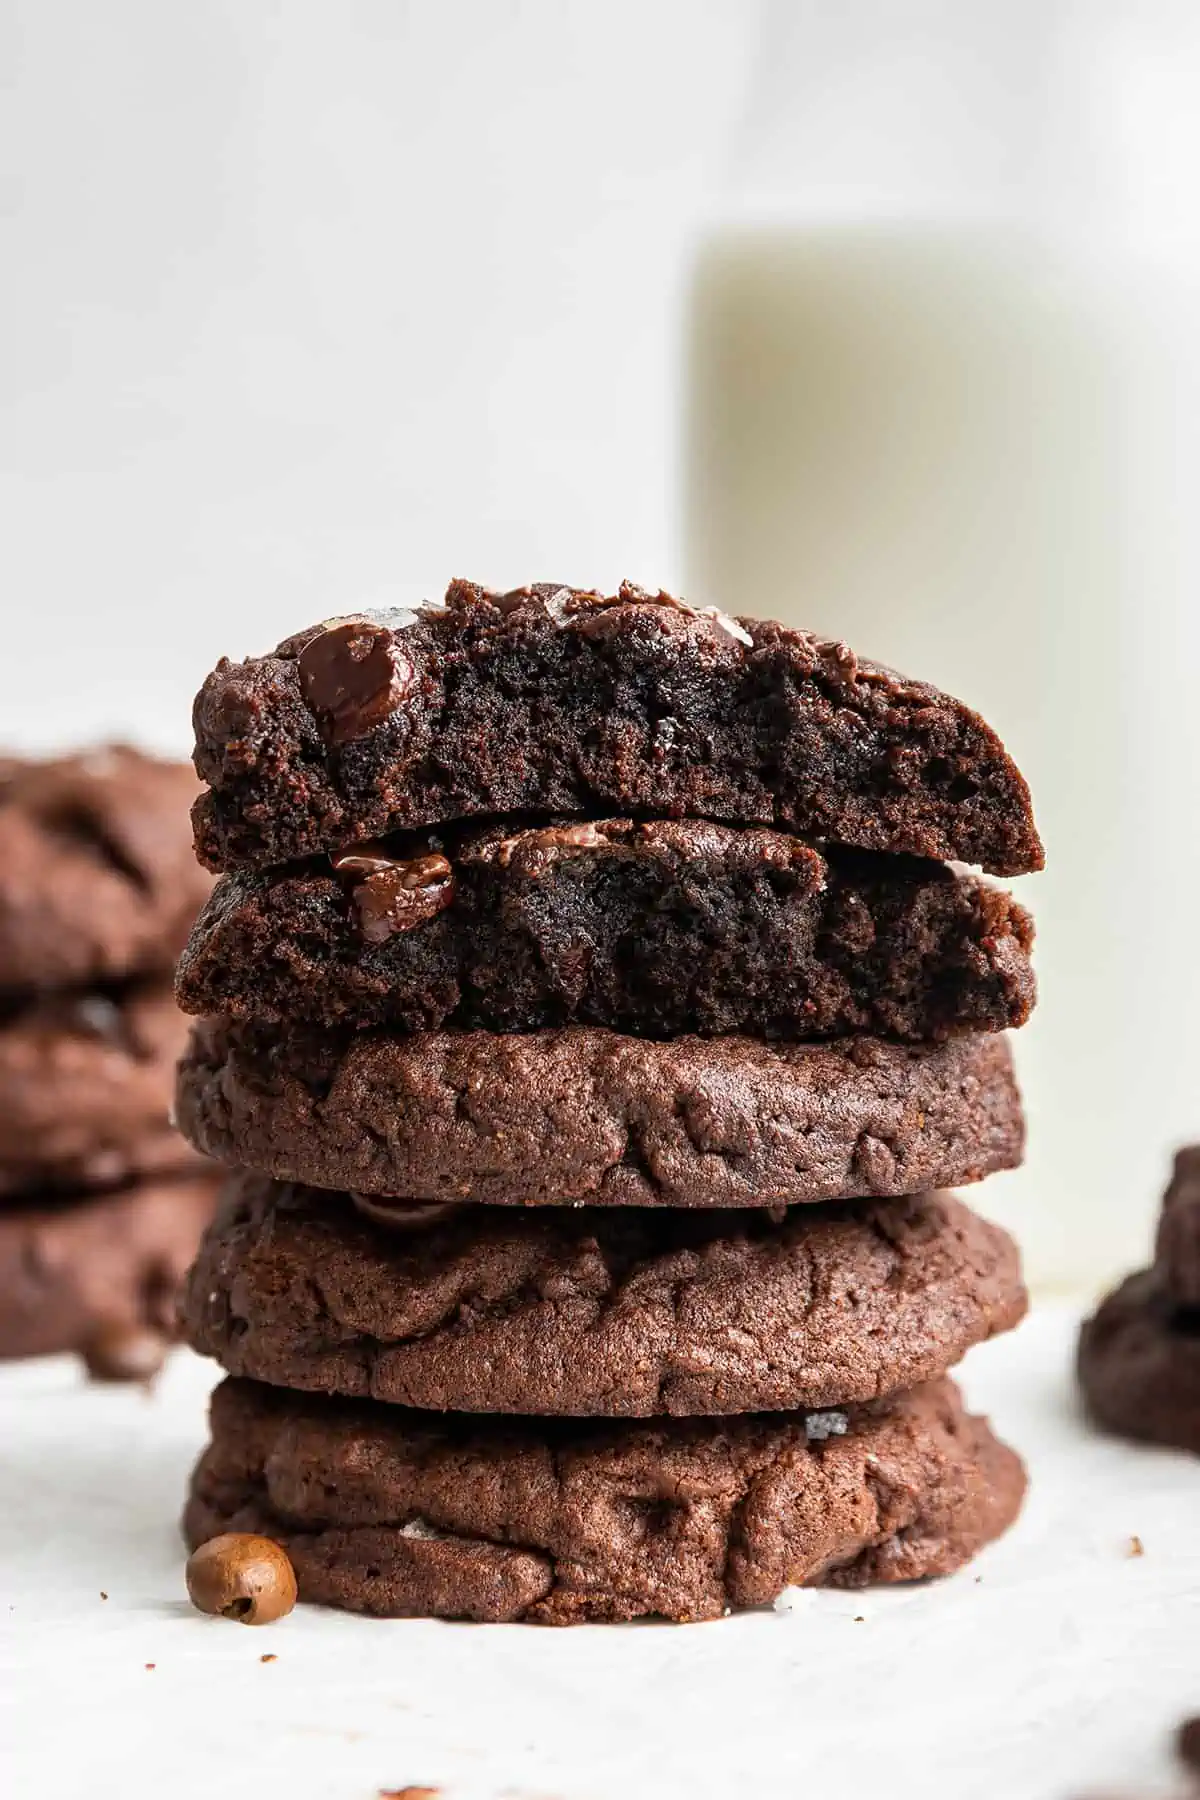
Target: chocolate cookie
{"x":1178,"y":1252}
{"x":98,"y":879}
{"x":614,"y":1312}
{"x":556,"y":701}
{"x":90,"y":1262}
{"x":660,"y":927}
{"x":1139,"y":1364}
{"x":558,"y":1522}
{"x":85,"y":1088}
{"x":588,"y":1115}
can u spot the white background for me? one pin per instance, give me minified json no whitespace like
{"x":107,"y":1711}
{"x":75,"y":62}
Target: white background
{"x":307,"y":301}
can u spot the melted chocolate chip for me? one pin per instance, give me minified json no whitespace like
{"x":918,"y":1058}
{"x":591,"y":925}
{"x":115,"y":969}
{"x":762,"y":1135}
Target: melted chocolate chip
{"x":550,"y":839}
{"x":365,"y":859}
{"x":396,"y":895}
{"x":353,"y":676}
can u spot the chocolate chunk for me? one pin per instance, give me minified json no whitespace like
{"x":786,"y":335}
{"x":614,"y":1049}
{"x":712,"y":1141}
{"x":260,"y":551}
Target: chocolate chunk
{"x":582,"y":836}
{"x":353,"y":676}
{"x":397,"y":896}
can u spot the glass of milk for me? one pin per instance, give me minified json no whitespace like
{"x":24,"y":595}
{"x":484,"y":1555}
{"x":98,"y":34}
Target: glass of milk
{"x":944,"y":402}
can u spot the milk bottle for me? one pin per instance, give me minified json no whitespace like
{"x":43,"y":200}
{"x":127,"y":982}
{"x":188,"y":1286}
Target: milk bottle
{"x":944,"y":402}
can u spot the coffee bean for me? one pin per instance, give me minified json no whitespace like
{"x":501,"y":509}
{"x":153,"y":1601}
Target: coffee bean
{"x":241,"y":1576}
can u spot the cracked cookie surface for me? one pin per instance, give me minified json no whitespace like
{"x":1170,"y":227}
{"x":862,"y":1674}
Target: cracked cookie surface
{"x":557,"y":1522}
{"x":612,"y":1312}
{"x":553,"y":700}
{"x":658,"y":927}
{"x":590,"y":1115}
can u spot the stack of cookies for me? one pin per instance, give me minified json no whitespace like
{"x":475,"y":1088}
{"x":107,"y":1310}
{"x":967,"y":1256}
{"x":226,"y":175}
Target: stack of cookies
{"x":596,"y":1024}
{"x":101,"y":1202}
{"x":1139,"y":1357}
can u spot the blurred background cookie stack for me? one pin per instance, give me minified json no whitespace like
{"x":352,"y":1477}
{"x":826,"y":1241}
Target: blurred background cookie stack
{"x":596,"y":1025}
{"x":1139,"y":1355}
{"x":101,"y":1201}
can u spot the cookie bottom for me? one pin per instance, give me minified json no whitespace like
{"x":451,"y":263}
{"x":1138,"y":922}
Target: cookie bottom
{"x":406,"y":1514}
{"x":1139,"y":1365}
{"x":71,"y":1266}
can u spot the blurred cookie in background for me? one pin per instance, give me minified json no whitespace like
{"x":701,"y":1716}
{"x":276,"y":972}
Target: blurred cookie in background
{"x":101,"y":1202}
{"x":1139,"y":1354}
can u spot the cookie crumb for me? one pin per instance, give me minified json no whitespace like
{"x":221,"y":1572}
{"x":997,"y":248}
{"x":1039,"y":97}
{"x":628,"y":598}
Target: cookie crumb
{"x":103,"y":1595}
{"x":792,"y":1599}
{"x":152,"y":1665}
{"x":860,"y":1618}
{"x":1136,"y":1546}
{"x":409,"y":1793}
{"x":268,"y":1656}
{"x":1187,"y":1744}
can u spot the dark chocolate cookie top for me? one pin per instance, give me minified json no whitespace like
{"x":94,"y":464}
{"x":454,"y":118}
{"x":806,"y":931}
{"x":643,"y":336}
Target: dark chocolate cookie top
{"x":549,"y":699}
{"x":584,"y":1114}
{"x":558,"y":1521}
{"x":98,"y":878}
{"x":657,"y":927}
{"x":616,"y":1312}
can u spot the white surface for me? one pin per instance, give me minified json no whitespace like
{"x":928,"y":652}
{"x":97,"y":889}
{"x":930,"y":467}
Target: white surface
{"x":1060,"y":1671}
